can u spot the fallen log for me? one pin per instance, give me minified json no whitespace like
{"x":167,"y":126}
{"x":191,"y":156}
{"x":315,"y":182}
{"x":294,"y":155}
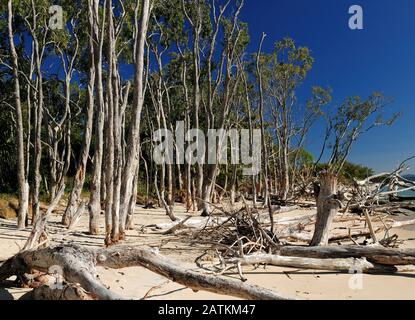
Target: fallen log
{"x":176,"y":227}
{"x":122,"y":257}
{"x":79,"y":266}
{"x":307,"y":236}
{"x":347,"y":265}
{"x":374,"y":254}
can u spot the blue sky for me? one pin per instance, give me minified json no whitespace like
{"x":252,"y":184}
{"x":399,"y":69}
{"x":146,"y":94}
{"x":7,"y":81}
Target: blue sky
{"x":352,"y":62}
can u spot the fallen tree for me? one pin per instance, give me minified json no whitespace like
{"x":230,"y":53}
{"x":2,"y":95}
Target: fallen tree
{"x":347,"y":265}
{"x":374,"y":254}
{"x":78,"y":266}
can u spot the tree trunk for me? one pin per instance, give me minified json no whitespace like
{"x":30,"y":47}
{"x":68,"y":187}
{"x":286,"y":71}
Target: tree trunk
{"x":79,"y":179}
{"x":94,"y":206}
{"x":21,"y":174}
{"x":340,"y":265}
{"x":375,"y":254}
{"x":111,"y":217}
{"x":267,"y":197}
{"x":133,"y":152}
{"x":129,"y":224}
{"x":37,"y":176}
{"x":327,"y":209}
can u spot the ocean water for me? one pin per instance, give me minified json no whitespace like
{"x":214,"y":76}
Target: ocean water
{"x":407,"y":194}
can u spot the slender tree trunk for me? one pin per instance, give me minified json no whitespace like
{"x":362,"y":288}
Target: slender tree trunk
{"x":79,"y":179}
{"x":119,"y":150}
{"x":131,"y":209}
{"x":37,"y":176}
{"x":94,"y":206}
{"x":233,"y":185}
{"x":111,"y":216}
{"x":264,"y":143}
{"x":133,"y":152}
{"x":21,"y":174}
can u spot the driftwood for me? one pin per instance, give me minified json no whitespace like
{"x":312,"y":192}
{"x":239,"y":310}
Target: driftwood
{"x":339,"y":265}
{"x":79,"y":267}
{"x":40,"y":224}
{"x":375,"y":254}
{"x":307,"y":236}
{"x":177,"y":227}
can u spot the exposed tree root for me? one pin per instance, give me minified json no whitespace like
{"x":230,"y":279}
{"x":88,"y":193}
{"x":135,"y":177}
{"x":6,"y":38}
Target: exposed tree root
{"x":78,"y":266}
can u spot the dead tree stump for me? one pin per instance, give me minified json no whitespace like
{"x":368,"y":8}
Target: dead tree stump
{"x":327,"y":207}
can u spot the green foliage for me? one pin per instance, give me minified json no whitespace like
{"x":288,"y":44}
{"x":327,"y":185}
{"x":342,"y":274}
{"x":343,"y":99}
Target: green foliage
{"x":349,"y":172}
{"x":356,"y":171}
{"x":301,"y":159}
{"x":351,"y":119}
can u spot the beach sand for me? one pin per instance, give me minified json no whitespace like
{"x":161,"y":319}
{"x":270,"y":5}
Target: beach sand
{"x":137,"y":282}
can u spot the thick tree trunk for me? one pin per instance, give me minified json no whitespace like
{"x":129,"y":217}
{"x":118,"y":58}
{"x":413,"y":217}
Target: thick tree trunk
{"x":327,"y":208}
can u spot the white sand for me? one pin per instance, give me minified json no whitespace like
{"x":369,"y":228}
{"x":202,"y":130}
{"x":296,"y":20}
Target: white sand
{"x":134,"y":283}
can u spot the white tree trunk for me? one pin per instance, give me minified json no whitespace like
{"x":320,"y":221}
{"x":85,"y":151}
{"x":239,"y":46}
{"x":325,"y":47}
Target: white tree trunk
{"x":21,"y":173}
